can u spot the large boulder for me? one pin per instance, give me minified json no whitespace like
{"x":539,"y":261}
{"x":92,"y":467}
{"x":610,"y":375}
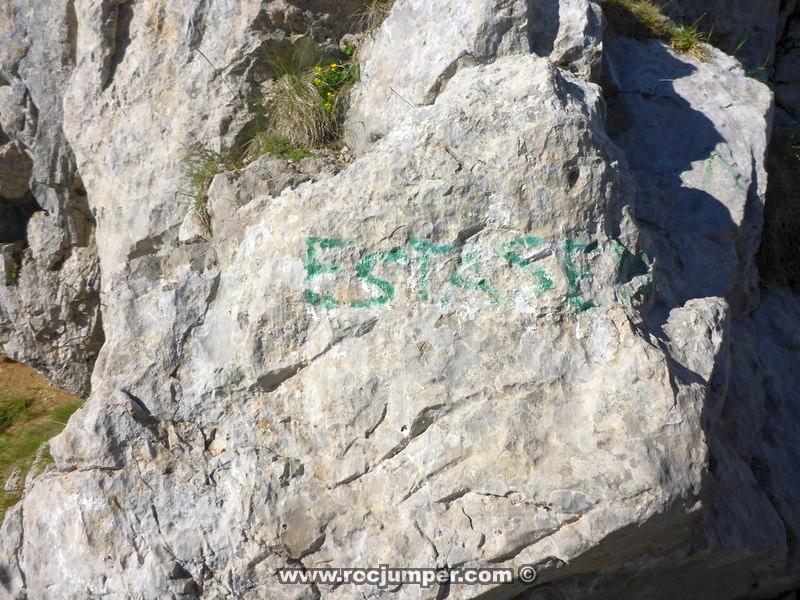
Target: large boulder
{"x":522,"y":328}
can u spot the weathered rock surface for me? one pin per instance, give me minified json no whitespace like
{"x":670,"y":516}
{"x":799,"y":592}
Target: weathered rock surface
{"x":50,"y":308}
{"x":524,"y":326}
{"x":421,"y":45}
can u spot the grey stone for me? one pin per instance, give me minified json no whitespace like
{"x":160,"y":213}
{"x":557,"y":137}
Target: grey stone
{"x":522,"y":327}
{"x":421,"y":45}
{"x":15,"y":171}
{"x":13,"y":482}
{"x":51,"y":319}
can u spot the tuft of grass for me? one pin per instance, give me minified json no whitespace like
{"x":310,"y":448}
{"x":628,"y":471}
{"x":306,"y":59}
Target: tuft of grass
{"x":639,"y":19}
{"x":644,"y":19}
{"x":302,"y":111}
{"x":27,"y":425}
{"x":304,"y":107}
{"x":12,"y":409}
{"x":688,"y":39}
{"x":760,"y":73}
{"x":201,"y":164}
{"x":373,"y":14}
{"x":63,"y":412}
{"x":265,"y":142}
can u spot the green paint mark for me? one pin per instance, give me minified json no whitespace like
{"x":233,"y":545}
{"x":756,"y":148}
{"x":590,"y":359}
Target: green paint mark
{"x":426,"y":250}
{"x":315,"y":268}
{"x":648,"y":289}
{"x":397,"y":255}
{"x":326,"y":302}
{"x":575,"y":274}
{"x":477,"y":283}
{"x":713,"y":159}
{"x":507,"y":252}
{"x":623,"y":255}
{"x":521,"y":242}
{"x":364,"y":271}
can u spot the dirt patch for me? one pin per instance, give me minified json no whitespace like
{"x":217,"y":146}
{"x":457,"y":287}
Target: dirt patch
{"x":17,"y":379}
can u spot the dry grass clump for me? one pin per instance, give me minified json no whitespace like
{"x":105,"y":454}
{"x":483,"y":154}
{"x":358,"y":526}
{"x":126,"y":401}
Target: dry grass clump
{"x":304,"y":105}
{"x":296,"y":112}
{"x":373,"y":14}
{"x":300,"y":112}
{"x":200,"y":165}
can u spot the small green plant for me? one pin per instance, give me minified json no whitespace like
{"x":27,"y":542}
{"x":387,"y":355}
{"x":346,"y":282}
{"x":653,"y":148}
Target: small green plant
{"x":740,"y":46}
{"x":760,"y":73}
{"x":349,"y":51}
{"x":264,"y":142}
{"x":12,"y":409}
{"x":15,"y":271}
{"x":201,"y":164}
{"x":688,"y":39}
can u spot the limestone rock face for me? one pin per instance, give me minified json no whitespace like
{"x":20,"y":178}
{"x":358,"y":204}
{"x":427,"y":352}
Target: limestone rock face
{"x":50,"y":308}
{"x":421,"y":45}
{"x":522,"y":327}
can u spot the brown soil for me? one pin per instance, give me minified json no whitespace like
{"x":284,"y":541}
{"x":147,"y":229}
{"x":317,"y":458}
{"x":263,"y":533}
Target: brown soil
{"x":18,"y":380}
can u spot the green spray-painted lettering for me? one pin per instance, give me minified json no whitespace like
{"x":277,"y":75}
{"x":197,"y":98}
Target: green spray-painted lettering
{"x":364,"y":271}
{"x":426,"y":250}
{"x":477,"y":282}
{"x":509,"y":252}
{"x":315,"y":268}
{"x":713,"y":159}
{"x":522,"y":252}
{"x":576,"y":274}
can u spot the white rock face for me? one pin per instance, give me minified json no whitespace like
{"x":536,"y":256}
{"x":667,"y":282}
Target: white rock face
{"x":422,"y":44}
{"x":521,"y":328}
